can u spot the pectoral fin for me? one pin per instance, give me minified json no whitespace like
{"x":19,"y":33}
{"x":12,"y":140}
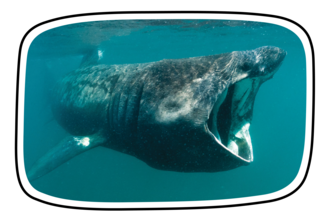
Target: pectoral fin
{"x":67,"y":149}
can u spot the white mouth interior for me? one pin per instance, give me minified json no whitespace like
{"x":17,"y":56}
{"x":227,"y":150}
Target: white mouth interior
{"x":233,"y":116}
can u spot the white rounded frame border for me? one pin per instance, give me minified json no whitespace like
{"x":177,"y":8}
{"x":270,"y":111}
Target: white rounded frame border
{"x":293,"y":186}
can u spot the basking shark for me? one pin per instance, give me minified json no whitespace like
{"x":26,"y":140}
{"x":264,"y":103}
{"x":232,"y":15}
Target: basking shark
{"x":184,"y":115}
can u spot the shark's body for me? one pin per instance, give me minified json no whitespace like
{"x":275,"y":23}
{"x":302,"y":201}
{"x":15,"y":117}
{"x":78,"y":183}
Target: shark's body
{"x":186,"y":115}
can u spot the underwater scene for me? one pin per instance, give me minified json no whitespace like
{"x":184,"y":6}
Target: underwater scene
{"x":164,"y":110}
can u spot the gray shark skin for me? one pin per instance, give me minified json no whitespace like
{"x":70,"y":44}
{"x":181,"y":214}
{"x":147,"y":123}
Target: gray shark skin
{"x":184,"y":115}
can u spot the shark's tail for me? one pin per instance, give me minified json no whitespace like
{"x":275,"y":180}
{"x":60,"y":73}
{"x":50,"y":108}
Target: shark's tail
{"x":61,"y":153}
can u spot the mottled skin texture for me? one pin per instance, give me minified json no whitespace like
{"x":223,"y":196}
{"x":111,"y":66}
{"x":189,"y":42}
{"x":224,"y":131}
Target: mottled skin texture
{"x":158,"y":111}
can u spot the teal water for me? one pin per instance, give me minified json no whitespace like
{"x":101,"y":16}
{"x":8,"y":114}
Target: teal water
{"x":277,"y":129}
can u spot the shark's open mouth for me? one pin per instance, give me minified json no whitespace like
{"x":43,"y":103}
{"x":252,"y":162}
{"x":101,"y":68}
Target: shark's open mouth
{"x":231,"y":116}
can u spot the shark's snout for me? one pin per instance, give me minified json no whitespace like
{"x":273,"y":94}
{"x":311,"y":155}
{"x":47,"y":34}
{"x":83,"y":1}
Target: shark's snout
{"x":268,"y":59}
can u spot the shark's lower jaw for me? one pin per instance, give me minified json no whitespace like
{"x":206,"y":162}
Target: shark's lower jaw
{"x":240,"y":143}
{"x":231,"y":116}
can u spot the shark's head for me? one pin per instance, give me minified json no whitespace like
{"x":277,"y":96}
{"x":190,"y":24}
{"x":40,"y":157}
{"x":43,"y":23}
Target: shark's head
{"x":203,"y":120}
